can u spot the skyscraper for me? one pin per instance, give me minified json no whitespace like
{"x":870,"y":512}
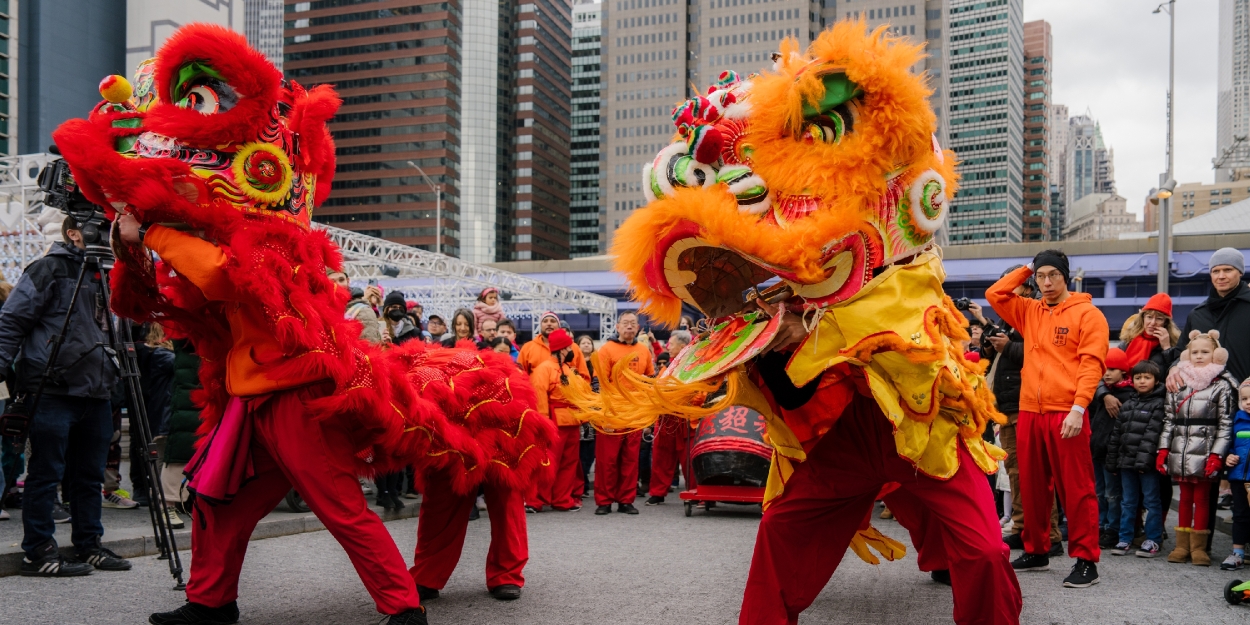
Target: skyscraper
{"x":262,"y":25}
{"x":986,"y":118}
{"x":585,"y":149}
{"x":1090,"y":164}
{"x":1232,"y":117}
{"x":1057,"y":168}
{"x":1036,"y":173}
{"x":149,"y":22}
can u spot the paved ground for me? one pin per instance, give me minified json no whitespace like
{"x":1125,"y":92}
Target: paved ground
{"x":658,"y":567}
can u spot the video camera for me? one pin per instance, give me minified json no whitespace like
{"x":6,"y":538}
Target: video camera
{"x":62,"y":193}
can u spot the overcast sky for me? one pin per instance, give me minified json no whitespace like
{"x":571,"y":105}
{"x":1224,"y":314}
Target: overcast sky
{"x":1111,"y":57}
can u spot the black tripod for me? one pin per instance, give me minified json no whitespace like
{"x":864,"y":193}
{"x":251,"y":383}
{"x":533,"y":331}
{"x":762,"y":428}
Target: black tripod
{"x":98,"y":261}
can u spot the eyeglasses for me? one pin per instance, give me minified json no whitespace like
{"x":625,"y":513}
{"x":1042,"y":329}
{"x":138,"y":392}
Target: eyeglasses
{"x":1049,"y":276}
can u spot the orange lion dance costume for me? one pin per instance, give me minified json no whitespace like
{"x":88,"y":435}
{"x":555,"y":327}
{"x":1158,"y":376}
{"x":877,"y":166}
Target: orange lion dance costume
{"x":823,"y":174}
{"x":214,"y":139}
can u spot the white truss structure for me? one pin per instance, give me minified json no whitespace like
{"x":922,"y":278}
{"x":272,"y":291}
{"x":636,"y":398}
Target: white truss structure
{"x":21,"y":203}
{"x":442,"y":283}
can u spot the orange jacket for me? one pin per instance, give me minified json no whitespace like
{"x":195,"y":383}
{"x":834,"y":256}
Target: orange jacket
{"x":1064,"y":345}
{"x":203,"y":264}
{"x":537,"y":351}
{"x":546,"y":380}
{"x":615,"y":351}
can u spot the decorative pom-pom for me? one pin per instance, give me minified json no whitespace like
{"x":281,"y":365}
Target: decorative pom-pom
{"x":115,"y":88}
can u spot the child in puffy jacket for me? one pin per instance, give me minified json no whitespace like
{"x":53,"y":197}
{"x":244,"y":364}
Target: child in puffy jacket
{"x":1238,"y":461}
{"x":1196,"y":434}
{"x":1116,"y":388}
{"x":1131,"y":456}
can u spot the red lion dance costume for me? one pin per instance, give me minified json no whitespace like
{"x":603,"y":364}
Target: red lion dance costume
{"x":824,"y":175}
{"x":214,"y":141}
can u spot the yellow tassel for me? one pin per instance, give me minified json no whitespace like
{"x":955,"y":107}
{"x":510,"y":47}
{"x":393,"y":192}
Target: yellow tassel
{"x":628,"y":401}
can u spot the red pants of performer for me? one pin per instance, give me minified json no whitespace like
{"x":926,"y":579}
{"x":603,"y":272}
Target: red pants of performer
{"x":1049,"y":462}
{"x":804,"y":535}
{"x":556,"y":485}
{"x":443,"y":522}
{"x":616,"y":468}
{"x":290,"y":450}
{"x":672,"y":438}
{"x":1193,"y":510}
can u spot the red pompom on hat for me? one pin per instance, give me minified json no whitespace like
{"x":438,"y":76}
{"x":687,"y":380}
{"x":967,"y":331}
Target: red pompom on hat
{"x":558,"y":340}
{"x":1117,"y":359}
{"x":1159,"y":302}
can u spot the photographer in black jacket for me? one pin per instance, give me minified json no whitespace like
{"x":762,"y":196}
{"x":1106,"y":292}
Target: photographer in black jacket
{"x":73,"y":416}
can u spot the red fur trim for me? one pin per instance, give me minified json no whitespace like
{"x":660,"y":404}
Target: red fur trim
{"x":309,"y":118}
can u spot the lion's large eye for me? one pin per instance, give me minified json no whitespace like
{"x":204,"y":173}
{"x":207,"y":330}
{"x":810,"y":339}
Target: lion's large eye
{"x":830,"y":127}
{"x":209,"y":96}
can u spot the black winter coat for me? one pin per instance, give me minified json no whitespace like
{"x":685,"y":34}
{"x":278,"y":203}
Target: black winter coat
{"x":184,"y":416}
{"x":1100,"y":421}
{"x":1135,"y":438}
{"x":1231,"y":316}
{"x":34,"y":313}
{"x":1007,"y":368}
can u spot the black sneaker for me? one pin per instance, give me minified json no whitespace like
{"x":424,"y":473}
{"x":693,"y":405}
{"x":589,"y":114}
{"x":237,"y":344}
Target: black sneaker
{"x":1084,"y":574}
{"x":654,"y":500}
{"x":196,"y":614}
{"x":427,"y":594}
{"x":49,"y":563}
{"x":532,"y":510}
{"x":1108,"y":539}
{"x":1226,"y":501}
{"x":415,"y":616}
{"x":59,"y":515}
{"x":475,"y":514}
{"x":506,"y":592}
{"x":941,"y":576}
{"x":1014,"y":541}
{"x":103,"y":558}
{"x":1056,"y":550}
{"x":627,"y":508}
{"x":1031,"y":562}
{"x":602,"y":510}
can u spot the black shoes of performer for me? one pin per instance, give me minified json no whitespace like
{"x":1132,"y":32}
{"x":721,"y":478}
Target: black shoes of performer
{"x":474,"y":513}
{"x":415,"y":616}
{"x":196,"y":614}
{"x":49,"y":563}
{"x":627,"y":508}
{"x":1014,"y":541}
{"x":1084,"y":574}
{"x":427,"y":594}
{"x":941,"y":576}
{"x":397,"y":503}
{"x":532,"y":510}
{"x":602,"y":510}
{"x":102,"y":559}
{"x":1031,"y":562}
{"x":654,"y":500}
{"x":506,"y":592}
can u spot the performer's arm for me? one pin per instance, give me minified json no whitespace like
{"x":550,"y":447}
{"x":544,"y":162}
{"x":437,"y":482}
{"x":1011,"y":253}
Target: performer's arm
{"x":197,"y":260}
{"x":1006,"y":303}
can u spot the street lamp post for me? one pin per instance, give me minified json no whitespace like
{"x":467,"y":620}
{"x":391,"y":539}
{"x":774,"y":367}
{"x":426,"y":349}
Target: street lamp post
{"x":438,"y":208}
{"x":1165,"y":205}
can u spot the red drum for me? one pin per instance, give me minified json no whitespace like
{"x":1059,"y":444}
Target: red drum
{"x":729,"y":449}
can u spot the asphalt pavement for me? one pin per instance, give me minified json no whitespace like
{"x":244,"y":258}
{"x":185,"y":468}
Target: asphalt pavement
{"x":657,"y":567}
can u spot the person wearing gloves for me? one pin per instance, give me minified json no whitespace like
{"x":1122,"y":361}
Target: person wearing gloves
{"x":1196,"y":432}
{"x":1065,"y":343}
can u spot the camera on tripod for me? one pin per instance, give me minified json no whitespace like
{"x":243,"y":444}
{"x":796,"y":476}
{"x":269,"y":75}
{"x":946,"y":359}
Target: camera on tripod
{"x":62,"y":193}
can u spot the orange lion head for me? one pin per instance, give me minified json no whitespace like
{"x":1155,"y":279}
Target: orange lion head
{"x":816,"y":173}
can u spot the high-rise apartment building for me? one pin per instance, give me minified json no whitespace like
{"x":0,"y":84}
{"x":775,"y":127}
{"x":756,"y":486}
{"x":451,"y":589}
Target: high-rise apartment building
{"x":1232,"y":116}
{"x":475,"y":94}
{"x":1090,"y":164}
{"x":262,"y":25}
{"x":1057,"y":168}
{"x":655,"y":51}
{"x":584,"y":177}
{"x":1037,"y":87}
{"x":985,"y":105}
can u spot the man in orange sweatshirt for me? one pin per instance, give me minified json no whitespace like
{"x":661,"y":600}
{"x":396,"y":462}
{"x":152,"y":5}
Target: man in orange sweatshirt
{"x":1065,"y":345}
{"x":616,"y":455}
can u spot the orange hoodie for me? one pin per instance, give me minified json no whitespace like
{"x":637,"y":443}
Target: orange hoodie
{"x":1064,"y":345}
{"x":615,"y":351}
{"x":203,"y":264}
{"x":546,"y":381}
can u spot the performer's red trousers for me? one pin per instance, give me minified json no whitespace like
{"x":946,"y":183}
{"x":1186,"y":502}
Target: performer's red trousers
{"x":1049,"y":462}
{"x":672,"y":439}
{"x":556,"y":485}
{"x":616,"y":468}
{"x":290,"y":450}
{"x":804,"y":534}
{"x":443,"y":522}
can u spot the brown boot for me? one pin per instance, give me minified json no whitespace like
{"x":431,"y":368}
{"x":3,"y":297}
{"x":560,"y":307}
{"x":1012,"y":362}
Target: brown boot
{"x":1181,"y":553}
{"x":886,"y":514}
{"x":1198,"y":548}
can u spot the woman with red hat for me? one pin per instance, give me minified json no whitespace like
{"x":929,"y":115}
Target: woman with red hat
{"x":1151,"y":333}
{"x":557,"y":484}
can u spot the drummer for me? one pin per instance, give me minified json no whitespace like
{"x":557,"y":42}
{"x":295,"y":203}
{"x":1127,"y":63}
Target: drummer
{"x":616,"y":455}
{"x":672,"y":436}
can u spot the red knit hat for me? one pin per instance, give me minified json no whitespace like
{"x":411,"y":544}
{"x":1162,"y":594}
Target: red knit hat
{"x":558,"y":340}
{"x":1117,"y":359}
{"x":1159,"y":302}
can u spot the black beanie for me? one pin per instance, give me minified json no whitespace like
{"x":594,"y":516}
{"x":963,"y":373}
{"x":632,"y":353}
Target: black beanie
{"x":1053,"y":258}
{"x":395,"y":298}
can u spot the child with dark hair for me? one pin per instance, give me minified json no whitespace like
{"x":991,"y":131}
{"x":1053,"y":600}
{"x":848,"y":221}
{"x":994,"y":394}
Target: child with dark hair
{"x":1131,"y":454}
{"x":1117,"y":384}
